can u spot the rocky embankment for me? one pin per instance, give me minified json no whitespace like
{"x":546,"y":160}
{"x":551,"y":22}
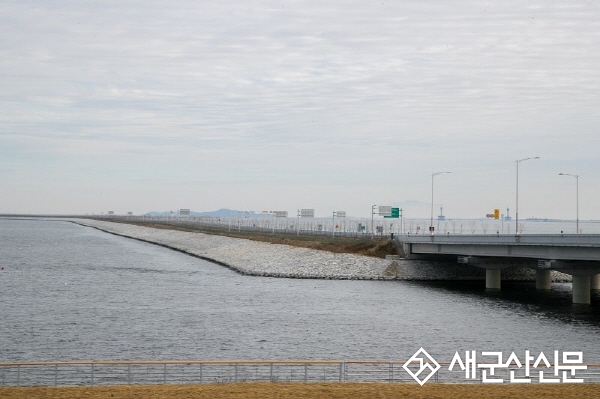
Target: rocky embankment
{"x":276,"y":260}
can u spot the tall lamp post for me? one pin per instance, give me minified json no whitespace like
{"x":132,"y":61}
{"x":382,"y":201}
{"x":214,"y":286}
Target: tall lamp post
{"x":372,"y":221}
{"x":517,"y":204}
{"x":576,"y":195}
{"x":431,"y":222}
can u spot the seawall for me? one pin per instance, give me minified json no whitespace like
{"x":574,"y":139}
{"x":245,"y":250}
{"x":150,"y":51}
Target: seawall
{"x":276,"y":260}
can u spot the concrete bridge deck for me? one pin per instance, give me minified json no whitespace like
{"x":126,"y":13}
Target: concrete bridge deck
{"x":574,"y":254}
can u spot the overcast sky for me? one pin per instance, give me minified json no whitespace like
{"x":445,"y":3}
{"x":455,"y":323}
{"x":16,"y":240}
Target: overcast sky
{"x":280,"y":105}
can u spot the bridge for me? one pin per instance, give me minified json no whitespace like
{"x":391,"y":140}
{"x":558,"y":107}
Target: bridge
{"x":575,"y":254}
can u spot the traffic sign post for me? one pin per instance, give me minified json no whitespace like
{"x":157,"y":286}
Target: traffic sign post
{"x":394,"y":213}
{"x":305,"y":213}
{"x":387,"y":212}
{"x":340,"y":214}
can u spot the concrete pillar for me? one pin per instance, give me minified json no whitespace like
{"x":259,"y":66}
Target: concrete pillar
{"x":492,"y":279}
{"x":596,"y":282}
{"x":543,"y":279}
{"x":581,"y":289}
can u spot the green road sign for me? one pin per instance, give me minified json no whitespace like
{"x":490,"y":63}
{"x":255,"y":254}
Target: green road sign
{"x":395,"y":213}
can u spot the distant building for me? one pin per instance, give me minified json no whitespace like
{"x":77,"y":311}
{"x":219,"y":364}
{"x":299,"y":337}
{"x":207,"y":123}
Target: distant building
{"x":441,"y":216}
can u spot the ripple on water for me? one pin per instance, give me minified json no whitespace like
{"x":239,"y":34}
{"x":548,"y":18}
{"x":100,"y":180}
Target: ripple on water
{"x":78,"y":293}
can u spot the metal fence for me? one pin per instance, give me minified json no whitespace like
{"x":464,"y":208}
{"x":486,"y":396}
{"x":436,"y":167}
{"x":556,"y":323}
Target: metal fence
{"x":86,"y":373}
{"x":349,"y":228}
{"x":358,"y":227}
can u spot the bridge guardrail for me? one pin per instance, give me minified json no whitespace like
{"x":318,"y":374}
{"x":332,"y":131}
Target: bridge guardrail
{"x":572,"y":240}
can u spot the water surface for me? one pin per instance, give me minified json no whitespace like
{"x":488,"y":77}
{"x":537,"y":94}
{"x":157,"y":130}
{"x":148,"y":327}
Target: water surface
{"x":70,"y":292}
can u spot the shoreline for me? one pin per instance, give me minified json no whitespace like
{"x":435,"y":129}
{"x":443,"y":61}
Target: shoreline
{"x":290,"y":262}
{"x":262,"y":259}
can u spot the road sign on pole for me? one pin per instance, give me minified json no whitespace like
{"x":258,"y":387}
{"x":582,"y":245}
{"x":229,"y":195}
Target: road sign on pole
{"x":307,"y":213}
{"x":394,"y":213}
{"x":385,"y":211}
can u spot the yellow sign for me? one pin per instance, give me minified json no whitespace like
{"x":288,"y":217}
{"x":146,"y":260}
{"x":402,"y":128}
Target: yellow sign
{"x":496,"y":213}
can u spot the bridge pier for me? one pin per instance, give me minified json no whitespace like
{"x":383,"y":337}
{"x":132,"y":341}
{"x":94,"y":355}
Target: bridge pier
{"x":575,"y":254}
{"x":543,"y":279}
{"x":493,"y":279}
{"x":582,"y":289}
{"x":493,"y":268}
{"x":584,"y":278}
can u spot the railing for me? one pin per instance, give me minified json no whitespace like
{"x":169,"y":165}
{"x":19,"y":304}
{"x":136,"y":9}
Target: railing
{"x":554,"y":240}
{"x":287,"y":226}
{"x":82,"y":373}
{"x":348,"y":227}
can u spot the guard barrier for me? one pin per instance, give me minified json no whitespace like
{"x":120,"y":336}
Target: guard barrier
{"x":85,"y":373}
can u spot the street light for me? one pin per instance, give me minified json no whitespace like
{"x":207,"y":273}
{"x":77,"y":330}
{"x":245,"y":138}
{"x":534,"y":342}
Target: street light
{"x":517,"y":210}
{"x":576,"y":195}
{"x":333,"y":224}
{"x":372,"y":221}
{"x":431,"y":222}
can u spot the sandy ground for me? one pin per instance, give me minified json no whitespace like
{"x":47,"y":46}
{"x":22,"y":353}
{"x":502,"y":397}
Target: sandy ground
{"x":299,"y":390}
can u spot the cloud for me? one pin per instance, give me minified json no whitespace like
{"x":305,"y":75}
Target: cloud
{"x":369,"y":98}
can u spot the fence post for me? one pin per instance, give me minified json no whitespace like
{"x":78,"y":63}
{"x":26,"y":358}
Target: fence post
{"x":341,"y":371}
{"x":201,"y":373}
{"x":55,"y":374}
{"x":164,"y":373}
{"x":129,"y":374}
{"x":271,"y":372}
{"x":92,"y":374}
{"x":391,"y":379}
{"x":305,"y":372}
{"x":18,"y":375}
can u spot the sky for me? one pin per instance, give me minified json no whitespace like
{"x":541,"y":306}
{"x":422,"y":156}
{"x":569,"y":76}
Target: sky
{"x":137,"y":106}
